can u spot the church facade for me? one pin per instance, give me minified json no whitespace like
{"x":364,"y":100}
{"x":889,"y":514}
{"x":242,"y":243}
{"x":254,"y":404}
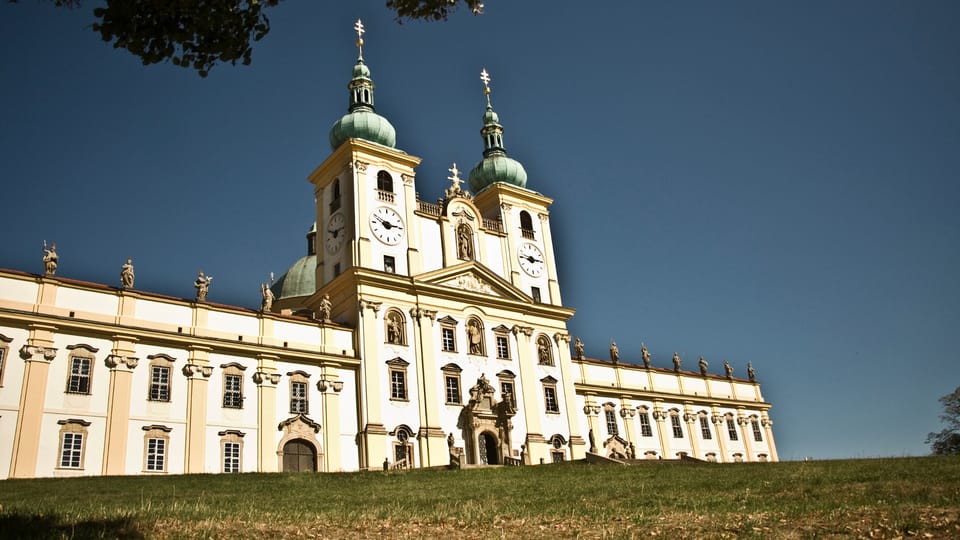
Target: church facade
{"x":412,"y":334}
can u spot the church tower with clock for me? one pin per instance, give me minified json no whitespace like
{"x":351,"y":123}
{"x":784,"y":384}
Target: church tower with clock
{"x":456,"y":304}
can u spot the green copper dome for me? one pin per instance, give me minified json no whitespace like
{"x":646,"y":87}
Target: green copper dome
{"x":495,"y":166}
{"x":362,"y":122}
{"x":301,"y":278}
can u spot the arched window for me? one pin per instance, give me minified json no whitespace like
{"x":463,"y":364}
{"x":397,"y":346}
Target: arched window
{"x":384,"y":181}
{"x":335,"y":195}
{"x":475,"y":336}
{"x":526,"y":225}
{"x":544,"y":351}
{"x":403,"y":447}
{"x":395,"y":327}
{"x":557,"y":451}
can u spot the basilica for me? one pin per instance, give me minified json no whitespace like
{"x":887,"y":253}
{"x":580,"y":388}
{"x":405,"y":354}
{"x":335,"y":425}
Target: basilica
{"x":411,"y":334}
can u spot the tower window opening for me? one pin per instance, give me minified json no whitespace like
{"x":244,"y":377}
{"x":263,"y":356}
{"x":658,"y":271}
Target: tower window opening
{"x":526,"y":225}
{"x":384,"y":181}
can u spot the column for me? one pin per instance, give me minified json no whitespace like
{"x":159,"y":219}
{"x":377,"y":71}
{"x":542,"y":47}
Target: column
{"x":746,"y":431}
{"x":692,"y":430}
{"x":532,"y":397}
{"x":197,"y":371}
{"x":591,"y":409}
{"x":374,"y":435}
{"x":432,"y":442}
{"x":569,"y":394}
{"x":627,"y":412}
{"x":37,"y":353}
{"x":121,"y":363}
{"x":768,"y":431}
{"x":719,"y":428}
{"x":552,"y":282}
{"x":330,"y":386}
{"x":266,"y":378}
{"x":660,"y":416}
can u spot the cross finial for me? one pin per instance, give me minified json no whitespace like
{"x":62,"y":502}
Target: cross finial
{"x":358,"y":26}
{"x":455,"y":176}
{"x":485,"y":77}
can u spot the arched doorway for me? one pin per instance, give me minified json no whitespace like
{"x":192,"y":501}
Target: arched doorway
{"x":299,"y":456}
{"x":489,"y":449}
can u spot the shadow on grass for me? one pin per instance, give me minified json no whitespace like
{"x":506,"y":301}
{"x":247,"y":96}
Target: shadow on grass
{"x":29,"y":526}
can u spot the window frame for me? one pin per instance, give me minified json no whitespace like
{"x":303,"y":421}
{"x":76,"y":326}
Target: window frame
{"x":610,"y":417}
{"x":646,"y":429}
{"x":705,"y":432}
{"x":550,"y":396}
{"x":4,"y":355}
{"x":731,"y":428}
{"x":757,"y":433}
{"x":299,"y":404}
{"x":536,"y":295}
{"x":675,"y":424}
{"x":448,"y":334}
{"x":160,"y":361}
{"x":390,"y":264}
{"x":451,"y":374}
{"x":397,"y":379}
{"x":71,"y":430}
{"x":232,"y":371}
{"x":507,"y":378}
{"x":158,"y":437}
{"x":80,"y":354}
{"x":228,"y":438}
{"x":384,"y":181}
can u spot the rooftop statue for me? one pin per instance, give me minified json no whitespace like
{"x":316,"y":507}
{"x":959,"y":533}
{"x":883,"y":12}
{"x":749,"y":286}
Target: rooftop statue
{"x":202,"y":284}
{"x":326,"y":306}
{"x":126,"y":274}
{"x":676,"y":361}
{"x":578,"y":348}
{"x":614,"y":352}
{"x":703,"y":366}
{"x":50,"y":259}
{"x":645,"y":355}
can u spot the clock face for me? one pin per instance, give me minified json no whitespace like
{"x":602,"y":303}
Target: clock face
{"x":386,"y":225}
{"x":335,"y":235}
{"x":531,"y":259}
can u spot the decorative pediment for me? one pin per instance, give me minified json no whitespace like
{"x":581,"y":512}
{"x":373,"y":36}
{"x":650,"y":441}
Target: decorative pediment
{"x":548,"y":380}
{"x":501,"y":329}
{"x":452,"y":367}
{"x":299,"y":424}
{"x":399,"y":362}
{"x":472,"y":276}
{"x":446,"y":319}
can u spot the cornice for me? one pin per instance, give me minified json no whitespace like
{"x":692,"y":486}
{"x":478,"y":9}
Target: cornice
{"x":663,"y":396}
{"x":354,"y":149}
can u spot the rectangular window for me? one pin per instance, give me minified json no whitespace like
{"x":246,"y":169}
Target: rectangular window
{"x":71,"y":450}
{"x":506,"y":389}
{"x":448,"y":339}
{"x":550,"y":399}
{"x":611,"y":422}
{"x":645,"y":429}
{"x":232,"y":391}
{"x":705,"y":428}
{"x":79,"y":375}
{"x":557,"y":457}
{"x":159,"y":383}
{"x":231,"y":457}
{"x":298,"y":398}
{"x":535,"y":293}
{"x":3,"y":360}
{"x":732,"y":429}
{"x":452,"y":384}
{"x":503,"y":348}
{"x":389,"y":264}
{"x":398,"y":384}
{"x":677,"y":428}
{"x":156,"y":454}
{"x":757,"y":434}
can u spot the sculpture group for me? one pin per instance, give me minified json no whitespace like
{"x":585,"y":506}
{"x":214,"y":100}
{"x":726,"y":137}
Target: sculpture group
{"x":702,"y":363}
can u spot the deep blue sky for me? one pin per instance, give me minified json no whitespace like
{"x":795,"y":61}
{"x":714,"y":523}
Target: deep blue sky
{"x":753,"y":181}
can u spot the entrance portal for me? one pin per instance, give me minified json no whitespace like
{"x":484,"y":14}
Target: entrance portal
{"x":489,"y":451}
{"x":299,"y":456}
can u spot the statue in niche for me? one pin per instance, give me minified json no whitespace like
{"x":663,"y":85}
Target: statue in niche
{"x":464,"y":242}
{"x":645,"y":355}
{"x":751,"y":374}
{"x":578,"y":348}
{"x":326,"y":306}
{"x":543,"y":351}
{"x":394,"y":329}
{"x":126,"y":274}
{"x":728,"y":369}
{"x":267,"y":298}
{"x":475,"y":337}
{"x":202,"y":284}
{"x":703,"y":366}
{"x":50,"y":259}
{"x":614,"y":352}
{"x":450,"y":441}
{"x":676,"y":361}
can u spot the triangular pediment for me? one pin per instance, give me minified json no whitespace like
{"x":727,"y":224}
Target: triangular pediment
{"x":474,"y":277}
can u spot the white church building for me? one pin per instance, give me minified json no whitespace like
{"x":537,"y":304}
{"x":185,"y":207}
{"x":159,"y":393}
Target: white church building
{"x":412,"y":334}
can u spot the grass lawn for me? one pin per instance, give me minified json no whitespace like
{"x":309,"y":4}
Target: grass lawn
{"x":867,"y":498}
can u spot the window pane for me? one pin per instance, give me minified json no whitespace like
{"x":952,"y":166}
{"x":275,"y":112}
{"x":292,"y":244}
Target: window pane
{"x":231,"y":457}
{"x":160,"y":383}
{"x":232,"y":396}
{"x":503,"y":347}
{"x":398,"y":385}
{"x":611,"y":422}
{"x":298,"y":398}
{"x":757,"y":435}
{"x":705,"y":427}
{"x":677,"y":429}
{"x":449,"y":344}
{"x":645,"y":429}
{"x":550,"y":399}
{"x":453,"y":389}
{"x":732,"y":429}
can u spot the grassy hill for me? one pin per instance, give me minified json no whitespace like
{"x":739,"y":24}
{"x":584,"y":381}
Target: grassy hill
{"x":869,"y":498}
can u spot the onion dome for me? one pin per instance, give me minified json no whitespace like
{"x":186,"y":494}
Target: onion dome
{"x":362,"y":122}
{"x":301,"y":279}
{"x":495,"y":166}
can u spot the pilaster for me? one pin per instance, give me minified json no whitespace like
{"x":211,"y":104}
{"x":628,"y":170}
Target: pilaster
{"x":266,"y":378}
{"x":197,"y":371}
{"x":768,"y":431}
{"x":720,"y":429}
{"x":432,"y":441}
{"x":552,"y":281}
{"x":746,"y":431}
{"x":37,"y":353}
{"x":532,"y":396}
{"x":374,"y":449}
{"x":591,"y":409}
{"x":660,"y":416}
{"x":627,"y":413}
{"x":330,"y":386}
{"x":121,"y":363}
{"x":569,"y":395}
{"x":693,"y":429}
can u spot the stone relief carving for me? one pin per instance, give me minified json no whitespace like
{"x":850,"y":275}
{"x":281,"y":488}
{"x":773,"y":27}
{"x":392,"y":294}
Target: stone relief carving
{"x":470,"y":282}
{"x":262,"y":377}
{"x":115,"y":360}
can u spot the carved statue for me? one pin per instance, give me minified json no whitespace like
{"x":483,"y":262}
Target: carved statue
{"x":728,"y":369}
{"x":632,"y":451}
{"x":394,"y":330}
{"x":543,"y":351}
{"x":126,"y":274}
{"x":703,"y":366}
{"x":464,"y":242}
{"x":325,"y":308}
{"x":267,"y":297}
{"x":751,"y":374}
{"x":450,"y":441}
{"x":593,"y":442}
{"x":475,"y":337}
{"x":614,"y":352}
{"x":578,"y":348}
{"x":645,"y":355}
{"x":50,"y":259}
{"x":676,"y":361}
{"x":202,"y":284}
